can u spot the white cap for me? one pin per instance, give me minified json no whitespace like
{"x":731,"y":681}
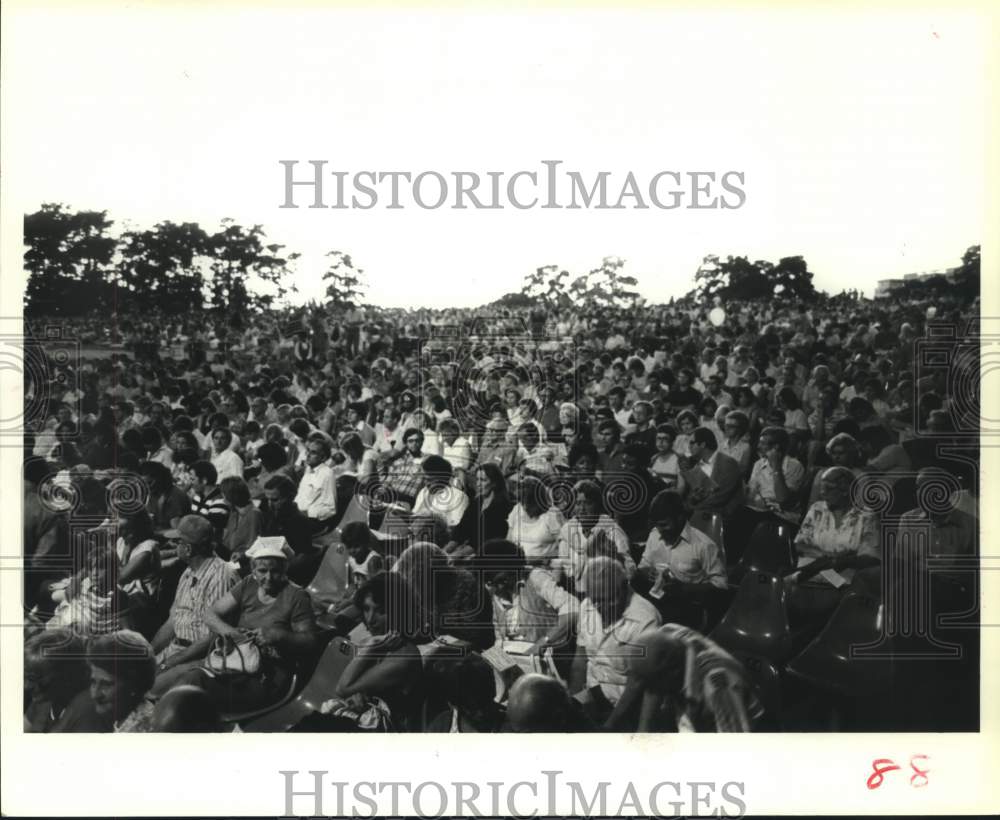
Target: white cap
{"x":273,"y":546}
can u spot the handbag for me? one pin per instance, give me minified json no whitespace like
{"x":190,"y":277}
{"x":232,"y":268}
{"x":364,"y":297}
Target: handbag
{"x":242,"y":659}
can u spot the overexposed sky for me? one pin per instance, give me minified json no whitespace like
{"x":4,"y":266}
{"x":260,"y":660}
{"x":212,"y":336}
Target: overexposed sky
{"x":862,"y":138}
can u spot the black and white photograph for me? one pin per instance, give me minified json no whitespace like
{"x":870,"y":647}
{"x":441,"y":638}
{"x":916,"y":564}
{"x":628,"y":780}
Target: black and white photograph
{"x":612,"y":372}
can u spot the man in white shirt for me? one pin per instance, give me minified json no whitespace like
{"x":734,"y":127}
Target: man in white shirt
{"x":225,"y":461}
{"x":612,"y":617}
{"x":776,"y":476}
{"x":684,"y":569}
{"x":317,"y":493}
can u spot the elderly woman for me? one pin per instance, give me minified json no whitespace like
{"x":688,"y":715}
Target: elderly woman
{"x":56,"y":678}
{"x":590,"y":519}
{"x":122,"y":670}
{"x":534,"y":524}
{"x":843,"y":450}
{"x":273,"y":613}
{"x":835,"y":540}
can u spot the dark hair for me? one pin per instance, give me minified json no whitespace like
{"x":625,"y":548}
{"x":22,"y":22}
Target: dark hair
{"x":705,"y":437}
{"x":205,"y":471}
{"x":580,"y":450}
{"x":140,"y":526}
{"x":353,"y":445}
{"x":778,"y":436}
{"x":666,"y":504}
{"x":272,"y":456}
{"x":592,"y":492}
{"x":394,"y":595}
{"x":235,"y":491}
{"x":687,"y":414}
{"x":529,"y":431}
{"x":283,"y":484}
{"x":465,"y":683}
{"x":151,"y":438}
{"x":355,"y":533}
{"x":610,"y":424}
{"x":876,"y":437}
{"x":496,"y":479}
{"x":667,"y":430}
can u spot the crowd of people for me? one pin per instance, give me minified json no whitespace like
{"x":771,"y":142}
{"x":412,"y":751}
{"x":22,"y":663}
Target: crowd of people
{"x":514,"y":520}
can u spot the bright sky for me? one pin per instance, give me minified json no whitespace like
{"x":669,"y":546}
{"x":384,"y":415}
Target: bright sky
{"x":862,"y":138}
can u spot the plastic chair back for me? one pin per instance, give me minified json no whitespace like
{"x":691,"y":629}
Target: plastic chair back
{"x":756,"y":623}
{"x":321,"y":687}
{"x":766,"y":678}
{"x":827,"y":662}
{"x":330,"y":582}
{"x":710,"y":524}
{"x":770,"y":549}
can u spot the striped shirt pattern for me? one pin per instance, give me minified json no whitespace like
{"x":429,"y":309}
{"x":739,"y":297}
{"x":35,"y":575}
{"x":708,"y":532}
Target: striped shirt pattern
{"x":196,"y":591}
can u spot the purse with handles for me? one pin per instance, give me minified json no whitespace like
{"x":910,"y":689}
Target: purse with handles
{"x":242,"y":659}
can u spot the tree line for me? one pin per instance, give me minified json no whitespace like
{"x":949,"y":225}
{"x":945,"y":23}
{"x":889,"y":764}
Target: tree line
{"x":77,"y":264}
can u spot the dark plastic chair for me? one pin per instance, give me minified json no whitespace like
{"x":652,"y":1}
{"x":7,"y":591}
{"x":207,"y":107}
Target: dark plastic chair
{"x":756,"y":623}
{"x":770,"y":550}
{"x":711,"y":524}
{"x":827,"y":663}
{"x":904,"y":496}
{"x":239,"y":717}
{"x":766,"y":679}
{"x":321,"y":687}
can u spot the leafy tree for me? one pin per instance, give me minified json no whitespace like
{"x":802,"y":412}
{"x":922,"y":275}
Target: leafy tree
{"x":547,"y":285}
{"x":162,"y":267}
{"x":740,"y":279}
{"x":346,"y":282}
{"x":967,"y":277}
{"x":603,"y":286}
{"x":68,"y":257}
{"x":239,"y":257}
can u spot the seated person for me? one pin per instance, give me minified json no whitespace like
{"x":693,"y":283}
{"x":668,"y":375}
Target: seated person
{"x":183,"y":640}
{"x":687,"y":683}
{"x":92,"y":602}
{"x":665,"y":464}
{"x":439,"y":496}
{"x":280,"y":517}
{"x":589,"y":519}
{"x":386,"y":671}
{"x":485,"y":517}
{"x":836,"y":539}
{"x":612,"y":617}
{"x":538,"y":703}
{"x":534,"y":525}
{"x":122,"y":670}
{"x":57,"y":681}
{"x":468,"y":686}
{"x":272,"y":612}
{"x":715,"y":480}
{"x":363,"y":563}
{"x":681,"y":568}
